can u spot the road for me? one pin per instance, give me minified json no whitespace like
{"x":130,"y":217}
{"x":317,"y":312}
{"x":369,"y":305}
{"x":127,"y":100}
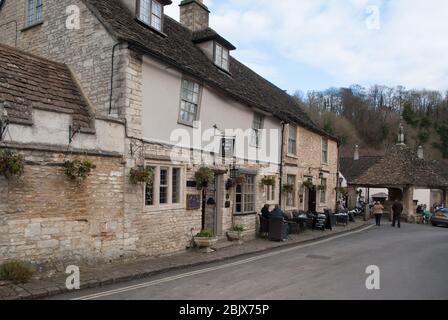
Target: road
{"x":413,"y":264}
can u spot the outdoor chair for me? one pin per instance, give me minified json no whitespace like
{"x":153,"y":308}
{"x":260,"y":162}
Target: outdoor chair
{"x":278,"y":229}
{"x":264,"y":226}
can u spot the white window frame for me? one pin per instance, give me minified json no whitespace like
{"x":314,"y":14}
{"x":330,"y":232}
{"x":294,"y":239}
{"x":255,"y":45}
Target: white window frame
{"x":221,"y":56}
{"x":291,"y":196}
{"x":257,"y":127}
{"x":34,"y":15}
{"x":291,"y":129}
{"x":245,"y":193}
{"x":185,"y":92}
{"x":146,"y":13}
{"x":157,"y":188}
{"x":325,"y":148}
{"x":323,"y":192}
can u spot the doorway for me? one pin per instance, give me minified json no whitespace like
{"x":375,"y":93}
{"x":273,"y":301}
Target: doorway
{"x":212,"y":200}
{"x":312,"y":199}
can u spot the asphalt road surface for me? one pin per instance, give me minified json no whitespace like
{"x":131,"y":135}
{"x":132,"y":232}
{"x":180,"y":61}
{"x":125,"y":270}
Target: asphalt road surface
{"x":413,"y":264}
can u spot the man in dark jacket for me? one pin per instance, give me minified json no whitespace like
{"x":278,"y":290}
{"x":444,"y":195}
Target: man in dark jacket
{"x":397,"y":209}
{"x":279,"y":213}
{"x":265,"y":213}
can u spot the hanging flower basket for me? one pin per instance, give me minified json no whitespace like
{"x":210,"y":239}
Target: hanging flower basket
{"x":308,"y":184}
{"x":268,"y":181}
{"x":78,"y":170}
{"x":322,"y":187}
{"x":11,"y":164}
{"x":204,"y":176}
{"x":342,"y":190}
{"x":240,"y":180}
{"x":287,"y":188}
{"x":141,"y":174}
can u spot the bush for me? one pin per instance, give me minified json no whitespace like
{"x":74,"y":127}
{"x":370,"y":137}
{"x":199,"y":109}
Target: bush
{"x":15,"y":271}
{"x":238,"y":228}
{"x":11,"y":163}
{"x":78,"y":169}
{"x":204,"y":234}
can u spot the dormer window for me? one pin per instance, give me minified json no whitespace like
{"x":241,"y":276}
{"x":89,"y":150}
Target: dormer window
{"x":150,"y":12}
{"x":221,"y":57}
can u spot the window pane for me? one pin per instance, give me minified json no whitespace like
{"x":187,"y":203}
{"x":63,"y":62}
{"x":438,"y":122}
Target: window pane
{"x":190,"y":101}
{"x":176,"y":185}
{"x":149,"y":194}
{"x":145,"y":7}
{"x":163,"y":186}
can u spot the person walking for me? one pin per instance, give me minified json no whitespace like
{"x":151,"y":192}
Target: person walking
{"x":378,"y":211}
{"x":397,"y":210}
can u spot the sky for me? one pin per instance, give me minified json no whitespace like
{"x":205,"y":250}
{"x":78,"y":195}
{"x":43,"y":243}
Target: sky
{"x":316,"y":44}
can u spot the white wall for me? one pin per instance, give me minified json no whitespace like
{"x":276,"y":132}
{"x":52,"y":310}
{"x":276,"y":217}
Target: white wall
{"x":51,"y":128}
{"x":161,"y":103}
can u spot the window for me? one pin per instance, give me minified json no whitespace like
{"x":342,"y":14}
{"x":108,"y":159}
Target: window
{"x":323,"y":191}
{"x":270,"y":193}
{"x":291,"y":195}
{"x":257,"y":126}
{"x":189,"y":105}
{"x":150,"y":12}
{"x":165,"y":188}
{"x":221,"y":57}
{"x":324,"y":150}
{"x":292,"y":140}
{"x":33,"y":12}
{"x":245,"y":196}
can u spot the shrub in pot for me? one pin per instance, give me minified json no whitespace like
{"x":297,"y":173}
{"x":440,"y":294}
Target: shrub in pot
{"x":288,"y":188}
{"x":268,"y":181}
{"x":204,"y":240}
{"x":11,"y":163}
{"x":236,"y":234}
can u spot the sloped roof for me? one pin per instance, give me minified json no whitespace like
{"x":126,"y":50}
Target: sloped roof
{"x":28,"y":81}
{"x":351,"y":169}
{"x":210,"y":34}
{"x":399,"y":167}
{"x":176,"y":47}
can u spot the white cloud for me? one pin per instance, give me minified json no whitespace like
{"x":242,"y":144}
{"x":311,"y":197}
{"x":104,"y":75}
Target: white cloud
{"x":409,"y":48}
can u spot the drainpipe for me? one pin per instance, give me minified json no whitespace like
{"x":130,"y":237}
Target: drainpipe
{"x":112,"y":76}
{"x":280,"y":193}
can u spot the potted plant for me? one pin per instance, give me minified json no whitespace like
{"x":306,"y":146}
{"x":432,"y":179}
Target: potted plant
{"x":236,"y":234}
{"x":204,"y":240}
{"x":204,"y":176}
{"x":268,"y":181}
{"x":141,"y":174}
{"x":11,"y":163}
{"x":322,"y":187}
{"x":229,"y":184}
{"x":287,"y":188}
{"x":78,"y":170}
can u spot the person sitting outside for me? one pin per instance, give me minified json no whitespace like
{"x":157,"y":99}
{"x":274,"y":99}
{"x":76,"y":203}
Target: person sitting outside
{"x":279,"y":213}
{"x":265,"y":213}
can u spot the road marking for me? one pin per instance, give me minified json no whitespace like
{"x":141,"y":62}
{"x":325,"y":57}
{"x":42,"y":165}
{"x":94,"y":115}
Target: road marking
{"x":206,"y":270}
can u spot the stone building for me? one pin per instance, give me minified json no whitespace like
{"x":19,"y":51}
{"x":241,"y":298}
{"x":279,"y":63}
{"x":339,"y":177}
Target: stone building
{"x":122,"y":84}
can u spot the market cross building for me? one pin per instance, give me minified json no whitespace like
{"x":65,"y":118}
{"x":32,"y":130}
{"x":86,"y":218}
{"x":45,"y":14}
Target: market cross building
{"x":122,"y":91}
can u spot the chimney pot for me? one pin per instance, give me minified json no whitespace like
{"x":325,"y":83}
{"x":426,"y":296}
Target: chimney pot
{"x":356,"y":155}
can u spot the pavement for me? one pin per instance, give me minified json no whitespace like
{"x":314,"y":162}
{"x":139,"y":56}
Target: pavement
{"x":145,"y":268}
{"x":411,"y":262}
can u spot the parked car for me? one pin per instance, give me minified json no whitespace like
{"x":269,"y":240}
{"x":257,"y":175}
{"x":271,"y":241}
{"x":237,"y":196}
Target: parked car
{"x":440,"y":218}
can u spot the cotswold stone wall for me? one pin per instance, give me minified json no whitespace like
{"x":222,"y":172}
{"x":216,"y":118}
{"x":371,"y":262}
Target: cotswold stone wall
{"x":45,"y":216}
{"x":87,"y":51}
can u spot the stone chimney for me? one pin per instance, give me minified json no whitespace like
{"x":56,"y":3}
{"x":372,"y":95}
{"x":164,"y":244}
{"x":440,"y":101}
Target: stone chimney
{"x":356,"y":155}
{"x":194,"y":14}
{"x":420,"y":153}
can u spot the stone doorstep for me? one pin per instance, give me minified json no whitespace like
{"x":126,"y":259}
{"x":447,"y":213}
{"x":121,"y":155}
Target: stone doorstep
{"x":48,"y":288}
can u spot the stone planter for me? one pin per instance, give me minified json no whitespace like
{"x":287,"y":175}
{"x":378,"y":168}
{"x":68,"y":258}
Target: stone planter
{"x":205,"y":244}
{"x":235,"y":236}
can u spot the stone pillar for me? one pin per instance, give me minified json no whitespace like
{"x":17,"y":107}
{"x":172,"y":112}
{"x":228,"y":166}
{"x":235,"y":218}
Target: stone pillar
{"x":445,"y":198}
{"x":352,"y":197}
{"x":408,"y":202}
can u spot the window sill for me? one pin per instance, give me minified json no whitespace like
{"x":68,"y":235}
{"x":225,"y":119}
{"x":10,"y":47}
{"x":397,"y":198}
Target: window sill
{"x":184,"y":123}
{"x":167,"y":207}
{"x":32,"y":26}
{"x":292,"y":156}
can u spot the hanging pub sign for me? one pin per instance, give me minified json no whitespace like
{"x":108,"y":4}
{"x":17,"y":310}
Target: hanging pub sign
{"x":193,"y":202}
{"x":227,"y":147}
